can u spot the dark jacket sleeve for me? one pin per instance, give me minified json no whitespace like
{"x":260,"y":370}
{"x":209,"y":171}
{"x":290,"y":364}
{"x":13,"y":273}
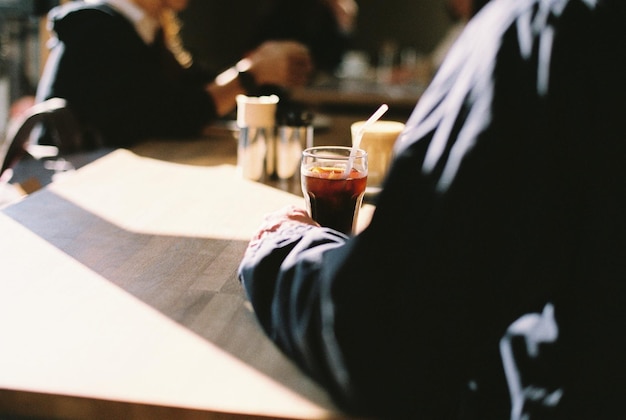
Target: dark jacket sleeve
{"x":384,"y":307}
{"x":116,"y":83}
{"x":506,"y":193}
{"x":286,"y":265}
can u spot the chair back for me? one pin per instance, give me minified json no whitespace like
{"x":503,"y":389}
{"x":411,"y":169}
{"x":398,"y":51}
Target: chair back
{"x":55,"y":116}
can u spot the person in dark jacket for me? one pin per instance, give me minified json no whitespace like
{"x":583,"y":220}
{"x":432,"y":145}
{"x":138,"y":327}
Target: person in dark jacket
{"x":125,"y":75}
{"x":491,"y":280}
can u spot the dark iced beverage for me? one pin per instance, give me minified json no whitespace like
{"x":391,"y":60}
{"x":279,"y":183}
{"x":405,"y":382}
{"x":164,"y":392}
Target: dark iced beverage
{"x":333,"y":194}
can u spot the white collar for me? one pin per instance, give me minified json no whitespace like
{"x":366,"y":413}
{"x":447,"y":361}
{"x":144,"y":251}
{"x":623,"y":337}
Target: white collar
{"x":145,"y":25}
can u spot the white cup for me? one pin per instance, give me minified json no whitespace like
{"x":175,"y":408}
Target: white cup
{"x":256,"y":111}
{"x":378,"y":140}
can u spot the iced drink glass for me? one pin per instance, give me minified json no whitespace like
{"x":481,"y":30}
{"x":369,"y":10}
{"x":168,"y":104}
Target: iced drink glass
{"x":333,"y":184}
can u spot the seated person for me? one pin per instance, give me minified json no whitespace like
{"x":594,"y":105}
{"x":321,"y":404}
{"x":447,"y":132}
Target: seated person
{"x":124,"y":73}
{"x":490,"y":282}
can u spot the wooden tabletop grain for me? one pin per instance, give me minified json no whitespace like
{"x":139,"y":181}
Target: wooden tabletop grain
{"x":119,"y":296}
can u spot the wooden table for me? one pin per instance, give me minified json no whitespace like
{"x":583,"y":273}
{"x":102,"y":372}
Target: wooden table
{"x":119,"y":296}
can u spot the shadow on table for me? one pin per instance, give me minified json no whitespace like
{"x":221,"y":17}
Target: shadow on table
{"x":192,"y":280}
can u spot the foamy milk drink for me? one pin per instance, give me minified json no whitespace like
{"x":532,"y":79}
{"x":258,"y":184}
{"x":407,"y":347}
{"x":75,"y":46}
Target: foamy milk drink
{"x":378,"y":140}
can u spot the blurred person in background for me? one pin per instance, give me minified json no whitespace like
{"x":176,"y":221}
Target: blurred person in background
{"x":122,"y":68}
{"x":325,"y":26}
{"x":490,"y":283}
{"x":460,"y":12}
{"x":219,"y":32}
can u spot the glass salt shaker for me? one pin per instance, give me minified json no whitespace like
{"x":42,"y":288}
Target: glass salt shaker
{"x":295,"y":133}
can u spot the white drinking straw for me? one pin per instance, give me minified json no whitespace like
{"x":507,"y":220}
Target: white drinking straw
{"x":359,"y":135}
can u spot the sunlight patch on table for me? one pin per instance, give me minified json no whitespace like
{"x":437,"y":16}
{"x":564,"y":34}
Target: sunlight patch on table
{"x":137,"y":193}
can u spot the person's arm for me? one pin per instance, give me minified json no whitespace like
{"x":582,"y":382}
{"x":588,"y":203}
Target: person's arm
{"x":345,"y":13}
{"x":224,"y":90}
{"x":276,"y":63}
{"x":282,"y":259}
{"x":343,"y":308}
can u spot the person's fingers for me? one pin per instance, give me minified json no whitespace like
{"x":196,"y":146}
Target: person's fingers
{"x":287,"y":215}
